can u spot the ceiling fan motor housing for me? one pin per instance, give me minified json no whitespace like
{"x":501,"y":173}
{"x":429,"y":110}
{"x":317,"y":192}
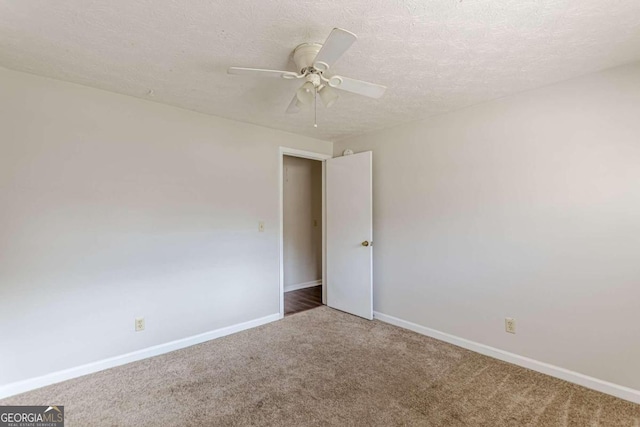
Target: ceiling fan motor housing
{"x":304,"y":55}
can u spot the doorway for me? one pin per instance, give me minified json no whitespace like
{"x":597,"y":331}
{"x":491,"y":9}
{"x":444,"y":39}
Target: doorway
{"x":346,"y":231}
{"x":302,"y":233}
{"x":302,"y":225}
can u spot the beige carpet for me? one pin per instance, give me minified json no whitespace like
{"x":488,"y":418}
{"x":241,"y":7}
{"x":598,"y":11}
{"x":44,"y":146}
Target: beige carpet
{"x":323,"y":367}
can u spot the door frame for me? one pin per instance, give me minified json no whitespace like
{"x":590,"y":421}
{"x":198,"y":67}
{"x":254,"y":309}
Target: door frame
{"x":293,"y":152}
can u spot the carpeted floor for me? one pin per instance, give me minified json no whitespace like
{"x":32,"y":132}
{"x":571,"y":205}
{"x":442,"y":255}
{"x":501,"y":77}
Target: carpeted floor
{"x":324,"y":367}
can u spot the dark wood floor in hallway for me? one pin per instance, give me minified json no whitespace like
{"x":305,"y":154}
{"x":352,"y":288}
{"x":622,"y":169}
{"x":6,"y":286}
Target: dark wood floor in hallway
{"x":302,"y":299}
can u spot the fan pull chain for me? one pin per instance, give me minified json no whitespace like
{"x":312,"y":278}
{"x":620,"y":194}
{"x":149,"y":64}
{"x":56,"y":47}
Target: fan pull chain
{"x":315,"y":108}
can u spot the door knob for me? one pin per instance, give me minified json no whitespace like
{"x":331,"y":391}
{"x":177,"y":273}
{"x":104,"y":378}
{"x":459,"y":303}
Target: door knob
{"x":365,"y":243}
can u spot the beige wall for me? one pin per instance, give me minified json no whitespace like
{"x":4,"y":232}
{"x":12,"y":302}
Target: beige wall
{"x":302,"y":206}
{"x":115,"y":207}
{"x":527,"y":207}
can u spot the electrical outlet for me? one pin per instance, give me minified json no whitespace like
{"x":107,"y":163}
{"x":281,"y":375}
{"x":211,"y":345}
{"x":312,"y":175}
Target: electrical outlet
{"x":139,"y":324}
{"x":510,"y":325}
{"x":261,"y":226}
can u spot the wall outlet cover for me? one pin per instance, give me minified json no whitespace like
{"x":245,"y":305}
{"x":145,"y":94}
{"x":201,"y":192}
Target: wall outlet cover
{"x":139,"y":324}
{"x":510,"y":325}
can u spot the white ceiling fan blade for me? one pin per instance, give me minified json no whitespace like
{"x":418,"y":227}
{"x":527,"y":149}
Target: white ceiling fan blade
{"x":371,"y":90}
{"x":336,"y":44}
{"x":293,"y":105}
{"x":259,"y":72}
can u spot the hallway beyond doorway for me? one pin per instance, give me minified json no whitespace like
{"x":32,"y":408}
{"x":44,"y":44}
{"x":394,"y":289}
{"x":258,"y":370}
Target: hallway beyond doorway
{"x":302,"y":299}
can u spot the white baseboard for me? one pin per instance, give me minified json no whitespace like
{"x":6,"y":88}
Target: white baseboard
{"x":289,"y":288}
{"x":535,"y":365}
{"x":67,"y":374}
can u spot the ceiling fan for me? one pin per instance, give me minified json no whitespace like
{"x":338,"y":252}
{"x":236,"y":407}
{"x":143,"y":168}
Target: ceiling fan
{"x":313,"y":62}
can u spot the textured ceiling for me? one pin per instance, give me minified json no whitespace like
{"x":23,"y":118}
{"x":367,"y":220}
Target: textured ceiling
{"x":434,"y":56}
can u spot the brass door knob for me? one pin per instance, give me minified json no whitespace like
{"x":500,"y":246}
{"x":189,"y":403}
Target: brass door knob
{"x":365,"y":243}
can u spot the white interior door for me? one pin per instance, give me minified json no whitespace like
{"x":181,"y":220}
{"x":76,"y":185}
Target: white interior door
{"x":349,"y":234}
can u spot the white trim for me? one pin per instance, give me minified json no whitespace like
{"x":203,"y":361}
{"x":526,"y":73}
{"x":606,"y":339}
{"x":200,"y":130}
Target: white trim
{"x":535,"y":365}
{"x":100,"y":365}
{"x":305,"y":285}
{"x":305,"y":155}
{"x":324,"y":233}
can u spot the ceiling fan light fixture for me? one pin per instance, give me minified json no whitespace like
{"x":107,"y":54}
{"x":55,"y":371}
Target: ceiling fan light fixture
{"x":306,"y":93}
{"x":328,"y":96}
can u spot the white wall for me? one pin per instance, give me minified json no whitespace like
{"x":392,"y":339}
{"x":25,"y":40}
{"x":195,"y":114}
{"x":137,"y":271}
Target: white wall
{"x":114,"y":207}
{"x":527,"y":207}
{"x":302,"y":185}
